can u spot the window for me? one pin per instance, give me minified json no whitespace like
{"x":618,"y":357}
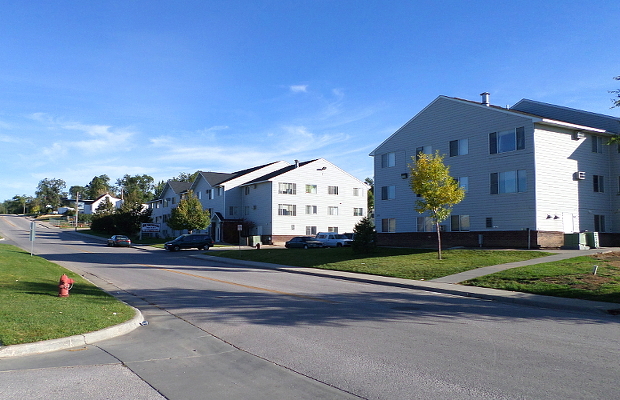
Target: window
{"x":459,"y":147}
{"x":599,"y":223}
{"x":332,"y":190}
{"x":388,"y":160}
{"x":311,"y":230}
{"x":504,"y":141}
{"x":463,"y":182}
{"x":233,"y":210}
{"x":287,"y":188}
{"x":489,"y":222}
{"x":597,"y":144}
{"x":424,"y":224}
{"x":311,"y":209}
{"x":209,"y":193}
{"x":246,"y":210}
{"x":388,"y":225}
{"x":220,"y":191}
{"x":332,"y":229}
{"x":358,"y":212}
{"x":388,"y":192}
{"x":311,"y":189}
{"x":287,"y":209}
{"x":332,"y":210}
{"x":459,"y":223}
{"x":357,"y":191}
{"x":599,"y":183}
{"x":199,"y":195}
{"x":509,"y":182}
{"x":423,"y":150}
{"x":247,"y":190}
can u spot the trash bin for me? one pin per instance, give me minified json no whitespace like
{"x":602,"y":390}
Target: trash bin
{"x":575,"y":241}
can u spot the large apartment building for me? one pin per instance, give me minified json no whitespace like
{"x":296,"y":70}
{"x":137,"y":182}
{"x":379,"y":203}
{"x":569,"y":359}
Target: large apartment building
{"x":532,"y":173}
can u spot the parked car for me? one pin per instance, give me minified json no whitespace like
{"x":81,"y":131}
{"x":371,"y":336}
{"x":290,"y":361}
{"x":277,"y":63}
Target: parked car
{"x":199,"y":241}
{"x":119,"y":240}
{"x":333,"y":239}
{"x":303,"y":242}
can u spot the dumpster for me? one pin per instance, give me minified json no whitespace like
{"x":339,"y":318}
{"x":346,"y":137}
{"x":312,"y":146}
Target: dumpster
{"x":575,"y":241}
{"x":592,"y":240}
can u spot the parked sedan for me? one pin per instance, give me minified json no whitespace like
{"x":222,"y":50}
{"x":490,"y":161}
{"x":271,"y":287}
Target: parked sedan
{"x":302,"y":242}
{"x":119,"y":240}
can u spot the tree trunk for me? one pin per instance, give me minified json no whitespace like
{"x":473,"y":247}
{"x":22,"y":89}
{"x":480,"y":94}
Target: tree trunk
{"x":438,"y":240}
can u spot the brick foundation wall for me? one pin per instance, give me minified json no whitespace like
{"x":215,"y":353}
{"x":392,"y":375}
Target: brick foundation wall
{"x":493,"y":239}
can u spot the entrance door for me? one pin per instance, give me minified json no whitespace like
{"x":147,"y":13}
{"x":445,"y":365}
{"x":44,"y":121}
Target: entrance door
{"x":568,"y":222}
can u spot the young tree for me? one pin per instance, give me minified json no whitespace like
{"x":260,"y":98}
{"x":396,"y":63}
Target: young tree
{"x":189,"y":215}
{"x":365,"y":240}
{"x":431,"y":179}
{"x":370,"y":199}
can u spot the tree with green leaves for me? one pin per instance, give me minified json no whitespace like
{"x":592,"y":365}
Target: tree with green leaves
{"x":49,"y":192}
{"x":365,"y":238}
{"x":189,"y":215}
{"x":98,"y":186}
{"x":140,"y":186}
{"x":439,"y":192}
{"x":370,"y":198}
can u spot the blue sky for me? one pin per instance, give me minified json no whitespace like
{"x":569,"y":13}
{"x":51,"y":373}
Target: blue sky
{"x":161,"y":87}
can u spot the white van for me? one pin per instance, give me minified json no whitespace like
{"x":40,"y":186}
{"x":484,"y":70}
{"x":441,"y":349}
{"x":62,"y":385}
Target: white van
{"x":333,"y":239}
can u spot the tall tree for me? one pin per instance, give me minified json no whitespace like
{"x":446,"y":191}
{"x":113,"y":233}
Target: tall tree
{"x":189,"y":215}
{"x":49,"y":192}
{"x":430,"y":179}
{"x":140,"y":186}
{"x":98,"y":185}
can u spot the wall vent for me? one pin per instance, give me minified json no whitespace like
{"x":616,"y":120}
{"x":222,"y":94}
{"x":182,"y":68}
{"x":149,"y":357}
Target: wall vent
{"x":578,"y":135}
{"x":579,"y":176}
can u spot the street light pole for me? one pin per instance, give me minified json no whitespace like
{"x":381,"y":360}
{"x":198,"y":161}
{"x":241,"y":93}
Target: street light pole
{"x":77,"y":206}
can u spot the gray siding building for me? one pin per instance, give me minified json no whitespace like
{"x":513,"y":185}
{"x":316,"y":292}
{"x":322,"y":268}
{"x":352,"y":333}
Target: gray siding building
{"x":531,"y":173}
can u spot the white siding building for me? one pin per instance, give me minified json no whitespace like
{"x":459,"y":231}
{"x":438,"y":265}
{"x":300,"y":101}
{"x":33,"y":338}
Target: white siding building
{"x":534,"y":168}
{"x":275,"y":201}
{"x":303,"y":199}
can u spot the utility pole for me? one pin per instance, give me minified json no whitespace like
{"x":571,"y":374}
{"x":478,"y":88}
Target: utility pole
{"x":77,"y":208}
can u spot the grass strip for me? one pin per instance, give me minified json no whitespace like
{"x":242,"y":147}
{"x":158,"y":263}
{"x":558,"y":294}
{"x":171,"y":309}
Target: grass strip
{"x":30,"y":309}
{"x":394,"y":262}
{"x":572,"y":278}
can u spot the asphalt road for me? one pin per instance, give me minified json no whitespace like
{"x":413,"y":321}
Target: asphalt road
{"x":221,"y":331}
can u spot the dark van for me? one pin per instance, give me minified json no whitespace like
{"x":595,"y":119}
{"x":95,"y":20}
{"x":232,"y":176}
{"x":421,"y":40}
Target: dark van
{"x":199,"y":241}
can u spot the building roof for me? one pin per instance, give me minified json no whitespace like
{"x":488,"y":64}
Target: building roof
{"x":543,"y":113}
{"x":281,"y":171}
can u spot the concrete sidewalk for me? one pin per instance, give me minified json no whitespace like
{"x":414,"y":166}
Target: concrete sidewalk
{"x":559,"y":255}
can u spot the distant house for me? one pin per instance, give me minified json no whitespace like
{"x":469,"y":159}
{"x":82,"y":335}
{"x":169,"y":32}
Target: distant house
{"x":531,"y":173}
{"x":275,"y":201}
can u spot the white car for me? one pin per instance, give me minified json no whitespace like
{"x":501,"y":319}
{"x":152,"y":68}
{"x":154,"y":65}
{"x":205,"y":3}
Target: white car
{"x":333,"y":239}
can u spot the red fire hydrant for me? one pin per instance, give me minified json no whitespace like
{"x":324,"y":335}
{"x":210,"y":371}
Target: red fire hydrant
{"x":64,"y":286}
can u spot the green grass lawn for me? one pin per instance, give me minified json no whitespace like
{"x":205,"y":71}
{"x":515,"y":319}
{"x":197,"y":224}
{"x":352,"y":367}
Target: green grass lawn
{"x":395,"y":262}
{"x":30,"y":309}
{"x":568,"y":278}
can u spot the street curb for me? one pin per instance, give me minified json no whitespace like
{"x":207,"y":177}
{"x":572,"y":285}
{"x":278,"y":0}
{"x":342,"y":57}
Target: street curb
{"x":46,"y":346}
{"x":500,"y":296}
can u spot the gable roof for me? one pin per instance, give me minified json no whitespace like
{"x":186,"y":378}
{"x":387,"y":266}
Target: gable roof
{"x":574,"y":123}
{"x":177,"y":187}
{"x":218,"y":178}
{"x":276,"y":173}
{"x":572,"y":115}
